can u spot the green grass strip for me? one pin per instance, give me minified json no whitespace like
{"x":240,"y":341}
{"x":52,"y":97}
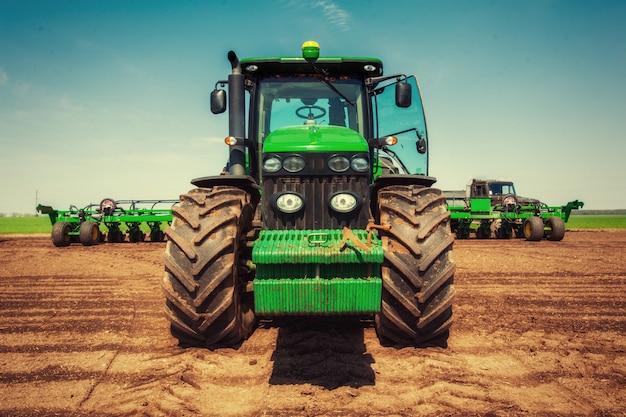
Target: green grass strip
{"x":597,"y":221}
{"x":25,"y":225}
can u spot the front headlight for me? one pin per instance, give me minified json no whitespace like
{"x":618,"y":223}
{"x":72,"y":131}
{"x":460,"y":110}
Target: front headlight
{"x":272,"y":164}
{"x":288,"y":202}
{"x":294,"y":163}
{"x":360,"y":164}
{"x":343,"y":202}
{"x":338,"y":163}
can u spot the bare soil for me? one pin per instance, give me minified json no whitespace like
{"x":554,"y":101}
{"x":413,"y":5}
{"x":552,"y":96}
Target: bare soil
{"x":539,"y":330}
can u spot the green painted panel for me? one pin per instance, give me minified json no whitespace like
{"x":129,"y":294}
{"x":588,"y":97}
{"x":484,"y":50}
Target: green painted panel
{"x":480,"y":205}
{"x":315,"y":138}
{"x":317,"y":296}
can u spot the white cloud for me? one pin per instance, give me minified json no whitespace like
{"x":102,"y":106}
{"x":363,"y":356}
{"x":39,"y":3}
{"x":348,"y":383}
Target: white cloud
{"x":331,"y":11}
{"x":335,"y":14}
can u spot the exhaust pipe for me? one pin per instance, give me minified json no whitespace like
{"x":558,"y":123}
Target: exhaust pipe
{"x":236,"y":116}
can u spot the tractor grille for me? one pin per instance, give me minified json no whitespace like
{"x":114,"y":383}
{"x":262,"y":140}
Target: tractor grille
{"x":316,"y":213}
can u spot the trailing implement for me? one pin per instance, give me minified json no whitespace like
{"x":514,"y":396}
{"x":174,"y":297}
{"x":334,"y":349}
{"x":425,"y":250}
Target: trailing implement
{"x":492,"y":207}
{"x":325,"y":207}
{"x":110,"y":221}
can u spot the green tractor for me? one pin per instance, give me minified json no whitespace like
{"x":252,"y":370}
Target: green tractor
{"x":325,"y":208}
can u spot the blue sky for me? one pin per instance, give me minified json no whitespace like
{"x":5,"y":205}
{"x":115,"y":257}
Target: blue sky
{"x":111,"y":98}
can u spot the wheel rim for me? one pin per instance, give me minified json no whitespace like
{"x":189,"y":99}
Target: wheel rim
{"x":528,"y":229}
{"x":66,"y":233}
{"x":94,"y":232}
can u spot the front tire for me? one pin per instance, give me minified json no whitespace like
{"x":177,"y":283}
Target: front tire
{"x":61,"y":234}
{"x":533,"y":229}
{"x":206,"y":302}
{"x":555,"y":228}
{"x":418,"y":270}
{"x":89,"y":233}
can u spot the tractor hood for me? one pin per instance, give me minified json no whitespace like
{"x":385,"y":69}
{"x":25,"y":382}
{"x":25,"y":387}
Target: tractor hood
{"x":315,"y":138}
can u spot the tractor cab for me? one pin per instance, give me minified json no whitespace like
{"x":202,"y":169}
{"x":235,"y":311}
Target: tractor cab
{"x":351,"y":93}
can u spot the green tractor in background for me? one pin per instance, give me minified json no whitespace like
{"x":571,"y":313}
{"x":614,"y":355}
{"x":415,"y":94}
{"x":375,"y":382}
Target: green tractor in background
{"x":325,"y":208}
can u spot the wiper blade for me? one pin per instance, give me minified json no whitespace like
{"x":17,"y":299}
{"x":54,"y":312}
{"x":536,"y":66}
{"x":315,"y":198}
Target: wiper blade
{"x":325,"y":80}
{"x":336,"y":90}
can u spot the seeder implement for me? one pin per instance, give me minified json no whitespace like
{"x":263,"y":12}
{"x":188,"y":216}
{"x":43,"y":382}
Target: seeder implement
{"x":530,"y":222}
{"x":492,"y":207}
{"x":86,"y":225}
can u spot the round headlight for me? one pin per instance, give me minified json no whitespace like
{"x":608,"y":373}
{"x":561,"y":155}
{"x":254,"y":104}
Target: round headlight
{"x":359,"y":164}
{"x":343,"y":202}
{"x":338,"y":163}
{"x":289,"y":203}
{"x":272,"y":164}
{"x":294,"y":163}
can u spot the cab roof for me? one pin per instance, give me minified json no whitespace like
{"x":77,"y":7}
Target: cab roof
{"x":298,"y":65}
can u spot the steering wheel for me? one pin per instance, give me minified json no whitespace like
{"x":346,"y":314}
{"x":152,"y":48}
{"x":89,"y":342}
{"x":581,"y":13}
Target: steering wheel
{"x":310,"y":115}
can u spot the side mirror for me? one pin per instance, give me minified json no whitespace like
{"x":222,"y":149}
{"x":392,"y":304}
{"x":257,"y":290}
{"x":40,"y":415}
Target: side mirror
{"x":421,"y":145}
{"x":403,"y":94}
{"x":218,"y":101}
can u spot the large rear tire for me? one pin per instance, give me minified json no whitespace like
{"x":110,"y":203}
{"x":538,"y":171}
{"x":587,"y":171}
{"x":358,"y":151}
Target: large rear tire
{"x":206,"y":302}
{"x":418,"y":270}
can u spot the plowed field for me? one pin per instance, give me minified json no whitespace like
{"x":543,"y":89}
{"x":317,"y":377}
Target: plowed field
{"x":540,"y":329}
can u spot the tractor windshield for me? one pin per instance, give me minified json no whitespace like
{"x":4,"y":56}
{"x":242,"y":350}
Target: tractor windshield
{"x":501,"y":188}
{"x":306,"y":99}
